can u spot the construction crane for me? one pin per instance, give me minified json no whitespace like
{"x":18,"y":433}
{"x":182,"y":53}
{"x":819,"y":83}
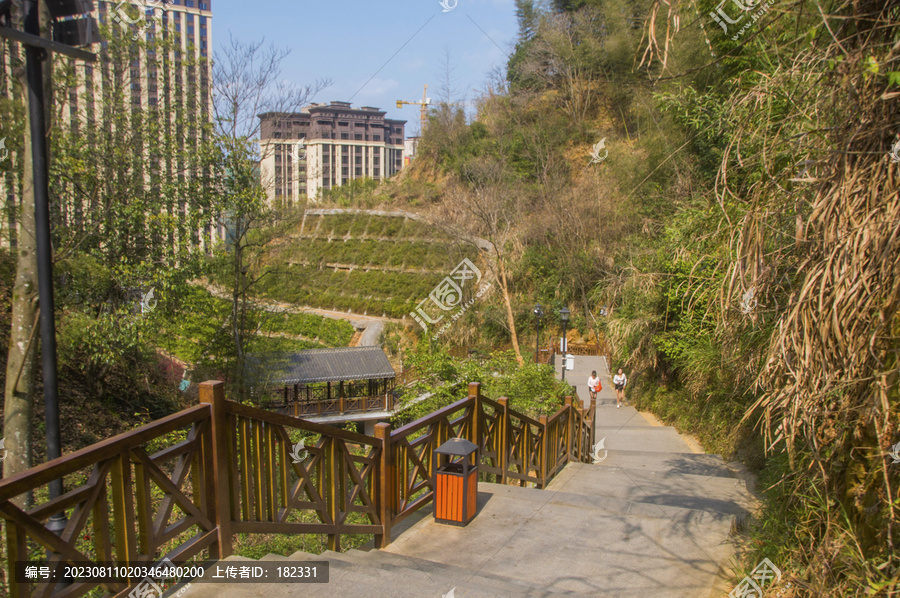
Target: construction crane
{"x":426,"y":101}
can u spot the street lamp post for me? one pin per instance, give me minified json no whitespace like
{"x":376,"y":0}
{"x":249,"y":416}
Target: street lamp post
{"x":564,"y":318}
{"x":67,"y":32}
{"x":538,"y":313}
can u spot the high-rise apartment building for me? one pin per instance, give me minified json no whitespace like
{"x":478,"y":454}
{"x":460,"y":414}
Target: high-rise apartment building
{"x":326,"y":146}
{"x":163,"y":79}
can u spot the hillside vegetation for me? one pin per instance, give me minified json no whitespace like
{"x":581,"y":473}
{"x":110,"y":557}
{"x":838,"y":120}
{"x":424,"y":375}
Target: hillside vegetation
{"x":738,"y":227}
{"x":366,"y":264}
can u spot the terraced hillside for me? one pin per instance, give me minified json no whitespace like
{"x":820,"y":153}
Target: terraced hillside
{"x":364,"y":262}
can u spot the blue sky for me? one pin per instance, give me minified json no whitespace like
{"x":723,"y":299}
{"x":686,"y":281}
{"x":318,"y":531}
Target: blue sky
{"x":349,"y":41}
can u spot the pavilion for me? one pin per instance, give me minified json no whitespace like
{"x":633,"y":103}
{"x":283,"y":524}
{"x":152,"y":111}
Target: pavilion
{"x":342,"y":381}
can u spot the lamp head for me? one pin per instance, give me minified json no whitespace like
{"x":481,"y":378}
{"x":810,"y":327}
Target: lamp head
{"x":538,"y":311}
{"x":76,"y":32}
{"x":68,"y":8}
{"x":564,"y":314}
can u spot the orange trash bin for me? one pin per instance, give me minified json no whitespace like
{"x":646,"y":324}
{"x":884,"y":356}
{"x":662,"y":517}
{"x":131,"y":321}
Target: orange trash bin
{"x":456,"y":482}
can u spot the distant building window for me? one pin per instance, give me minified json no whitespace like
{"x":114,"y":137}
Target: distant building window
{"x":347,"y":136}
{"x":358,"y":137}
{"x":359,"y":173}
{"x":378,"y":138}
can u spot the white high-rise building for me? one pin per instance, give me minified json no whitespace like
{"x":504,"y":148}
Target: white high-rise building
{"x":172,"y":86}
{"x":326,"y":146}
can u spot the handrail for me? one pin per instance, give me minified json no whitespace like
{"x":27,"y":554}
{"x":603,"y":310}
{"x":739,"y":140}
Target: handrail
{"x":45,"y":473}
{"x":279,"y":419}
{"x":524,"y":418}
{"x":432,"y":418}
{"x":235,"y":470}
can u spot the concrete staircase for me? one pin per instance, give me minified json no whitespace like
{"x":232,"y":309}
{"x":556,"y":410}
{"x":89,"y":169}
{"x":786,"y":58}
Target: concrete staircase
{"x":652,"y":519}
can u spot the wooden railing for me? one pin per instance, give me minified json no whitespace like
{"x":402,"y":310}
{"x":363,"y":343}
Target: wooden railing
{"x":513,"y":447}
{"x":339,"y":406}
{"x":583,"y":349}
{"x":406,"y":376}
{"x":187,"y":483}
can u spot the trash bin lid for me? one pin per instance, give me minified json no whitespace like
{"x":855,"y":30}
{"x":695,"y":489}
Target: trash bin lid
{"x":458,"y":447}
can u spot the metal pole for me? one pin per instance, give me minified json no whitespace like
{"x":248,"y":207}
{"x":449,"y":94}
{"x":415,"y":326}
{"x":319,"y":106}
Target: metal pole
{"x":565,"y":348}
{"x":537,"y":343}
{"x":34,"y":71}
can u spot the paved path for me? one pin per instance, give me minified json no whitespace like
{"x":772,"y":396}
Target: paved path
{"x":651,"y":519}
{"x":371,"y":335}
{"x":372,"y":326}
{"x":578,"y":378}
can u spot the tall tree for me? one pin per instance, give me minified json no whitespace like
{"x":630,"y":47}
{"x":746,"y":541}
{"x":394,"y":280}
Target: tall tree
{"x":527,"y":14}
{"x":247,"y":82}
{"x":21,"y":361}
{"x":488,"y":208}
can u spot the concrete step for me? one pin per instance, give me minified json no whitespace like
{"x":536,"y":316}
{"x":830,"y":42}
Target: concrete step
{"x":356,"y":573}
{"x":275,"y":557}
{"x":643,"y":438}
{"x":613,"y":506}
{"x":303,"y":556}
{"x":384,"y":559}
{"x":358,"y":580}
{"x":727,"y":496}
{"x":680,"y":463}
{"x":574,"y":549}
{"x":610,"y":417}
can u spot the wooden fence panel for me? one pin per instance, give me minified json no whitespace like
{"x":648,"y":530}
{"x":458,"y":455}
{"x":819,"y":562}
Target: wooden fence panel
{"x":185,"y":484}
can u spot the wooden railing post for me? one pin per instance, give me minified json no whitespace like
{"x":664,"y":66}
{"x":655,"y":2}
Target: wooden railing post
{"x":503,"y":447}
{"x":387,"y":492}
{"x":17,"y":550}
{"x":544,"y":457}
{"x":334,"y":490}
{"x":579,"y":417}
{"x":475,"y":435}
{"x":212,"y":393}
{"x":570,"y":418}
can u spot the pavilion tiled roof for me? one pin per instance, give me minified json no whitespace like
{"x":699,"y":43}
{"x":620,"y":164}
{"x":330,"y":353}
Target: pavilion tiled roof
{"x":329,"y":365}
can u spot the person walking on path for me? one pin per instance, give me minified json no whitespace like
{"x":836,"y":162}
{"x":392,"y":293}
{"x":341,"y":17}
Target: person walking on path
{"x":594,"y":385}
{"x":619,"y":381}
